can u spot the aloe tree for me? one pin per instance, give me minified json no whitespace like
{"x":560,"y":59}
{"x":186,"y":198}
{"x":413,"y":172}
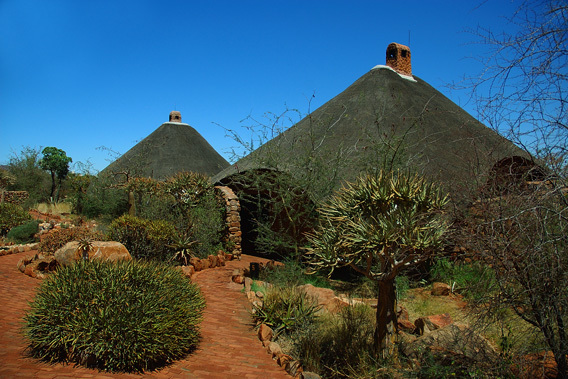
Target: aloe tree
{"x":378,"y":225}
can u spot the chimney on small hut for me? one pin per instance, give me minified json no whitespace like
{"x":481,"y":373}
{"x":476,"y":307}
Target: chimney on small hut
{"x":175,"y":116}
{"x":398,"y":58}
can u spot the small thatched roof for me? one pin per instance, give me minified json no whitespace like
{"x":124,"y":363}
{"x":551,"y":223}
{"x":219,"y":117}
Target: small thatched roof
{"x":173,"y":147}
{"x":380,"y":113}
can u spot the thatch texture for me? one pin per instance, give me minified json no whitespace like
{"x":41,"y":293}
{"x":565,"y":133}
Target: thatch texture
{"x":378,"y":115}
{"x":173,"y":147}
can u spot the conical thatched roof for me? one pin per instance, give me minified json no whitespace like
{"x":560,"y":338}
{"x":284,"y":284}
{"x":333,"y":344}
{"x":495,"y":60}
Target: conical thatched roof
{"x":383,"y":112}
{"x":173,"y":147}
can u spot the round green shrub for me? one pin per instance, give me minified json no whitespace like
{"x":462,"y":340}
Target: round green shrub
{"x":144,"y":239}
{"x":23,"y":233}
{"x":115,"y":316}
{"x":12,"y":215}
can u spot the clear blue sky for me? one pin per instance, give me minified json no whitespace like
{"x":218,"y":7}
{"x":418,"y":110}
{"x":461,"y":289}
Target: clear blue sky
{"x":80,"y":74}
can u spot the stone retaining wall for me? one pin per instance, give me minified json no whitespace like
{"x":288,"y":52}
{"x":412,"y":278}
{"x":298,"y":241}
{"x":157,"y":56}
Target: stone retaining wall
{"x":15,"y":197}
{"x":232,"y":219}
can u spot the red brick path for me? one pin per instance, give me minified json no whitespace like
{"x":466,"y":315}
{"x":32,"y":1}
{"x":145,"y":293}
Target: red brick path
{"x":229,"y":347}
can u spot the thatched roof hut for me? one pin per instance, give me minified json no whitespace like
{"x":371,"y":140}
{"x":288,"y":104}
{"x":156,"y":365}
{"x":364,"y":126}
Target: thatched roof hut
{"x":173,"y":147}
{"x":387,"y":117}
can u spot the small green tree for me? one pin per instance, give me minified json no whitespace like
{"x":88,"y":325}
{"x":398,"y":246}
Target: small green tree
{"x":379,"y":225}
{"x":56,"y":162}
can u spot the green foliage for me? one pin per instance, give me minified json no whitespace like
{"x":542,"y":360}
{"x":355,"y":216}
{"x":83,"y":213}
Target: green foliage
{"x":188,"y":201}
{"x":285,"y":309}
{"x":339,"y":346}
{"x":207,"y":219}
{"x":57,"y":238}
{"x":12,"y":215}
{"x":115,"y":316}
{"x":24,"y":167}
{"x":144,"y":239}
{"x":23,"y":233}
{"x":56,"y":162}
{"x":475,"y":280}
{"x":183,"y":247}
{"x":292,"y":273}
{"x":379,"y":224}
{"x":101,"y":200}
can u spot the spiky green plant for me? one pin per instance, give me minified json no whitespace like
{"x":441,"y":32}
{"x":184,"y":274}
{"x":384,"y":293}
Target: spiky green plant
{"x":379,"y":225}
{"x":116,"y":316}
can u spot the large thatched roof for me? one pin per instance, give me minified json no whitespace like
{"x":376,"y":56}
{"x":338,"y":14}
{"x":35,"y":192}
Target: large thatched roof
{"x":380,"y":113}
{"x":173,"y":147}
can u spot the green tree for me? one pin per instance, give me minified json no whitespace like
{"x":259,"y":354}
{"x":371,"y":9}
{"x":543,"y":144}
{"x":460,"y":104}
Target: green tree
{"x":56,"y":162}
{"x":379,"y":225}
{"x":29,"y":176}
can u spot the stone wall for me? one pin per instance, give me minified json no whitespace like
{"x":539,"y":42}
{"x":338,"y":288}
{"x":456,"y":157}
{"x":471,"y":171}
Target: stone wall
{"x":15,"y":197}
{"x":233,"y":218}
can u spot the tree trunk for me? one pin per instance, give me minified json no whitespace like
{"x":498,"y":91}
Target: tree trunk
{"x":131,"y":204}
{"x":52,"y":196}
{"x":386,"y":319}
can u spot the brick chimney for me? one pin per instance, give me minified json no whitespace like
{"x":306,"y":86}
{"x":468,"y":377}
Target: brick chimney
{"x":398,"y":58}
{"x":175,"y":116}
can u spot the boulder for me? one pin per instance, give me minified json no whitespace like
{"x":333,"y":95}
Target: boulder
{"x":401,"y":313}
{"x":325,"y":297}
{"x":100,"y":250}
{"x":430,"y":323}
{"x":239,"y":279}
{"x":440,"y":289}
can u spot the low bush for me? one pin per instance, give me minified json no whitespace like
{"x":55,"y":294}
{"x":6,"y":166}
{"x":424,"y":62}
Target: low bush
{"x":123,"y":316}
{"x":286,"y":309}
{"x":475,"y":280}
{"x":292,"y":273}
{"x":144,"y":239}
{"x":339,"y":346}
{"x":23,"y":233}
{"x":57,"y":238}
{"x":12,"y":215}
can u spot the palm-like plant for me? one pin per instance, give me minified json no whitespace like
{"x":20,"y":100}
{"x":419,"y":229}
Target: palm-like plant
{"x":378,"y":225}
{"x":183,"y":248}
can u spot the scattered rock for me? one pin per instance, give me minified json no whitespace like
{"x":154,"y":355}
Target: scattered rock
{"x":239,"y":279}
{"x":187,"y":270}
{"x":440,"y":289}
{"x":213,"y":262}
{"x":100,"y":250}
{"x":401,"y":313}
{"x":221,"y":259}
{"x":205,"y":264}
{"x":293,"y":368}
{"x":456,"y":339}
{"x":265,"y":333}
{"x":283,"y":360}
{"x":248,"y":283}
{"x":309,"y":375}
{"x":274,"y":349}
{"x":430,"y":323}
{"x":406,"y":326}
{"x":259,"y":294}
{"x":196,"y":263}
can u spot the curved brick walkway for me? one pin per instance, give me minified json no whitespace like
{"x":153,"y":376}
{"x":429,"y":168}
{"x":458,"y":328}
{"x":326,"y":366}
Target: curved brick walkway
{"x":229,"y":347}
